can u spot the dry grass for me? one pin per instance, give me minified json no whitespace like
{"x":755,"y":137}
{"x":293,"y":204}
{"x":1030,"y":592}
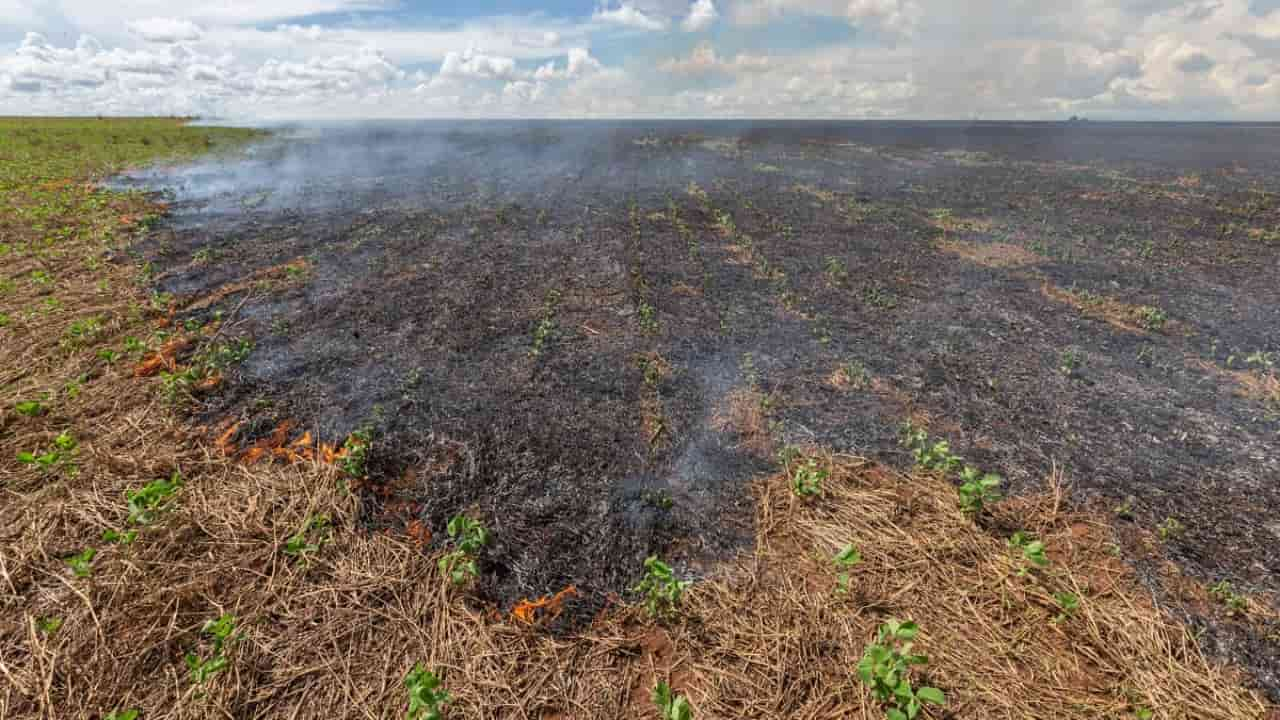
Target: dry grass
{"x":1118,"y":314}
{"x":768,"y":638}
{"x":993,"y":255}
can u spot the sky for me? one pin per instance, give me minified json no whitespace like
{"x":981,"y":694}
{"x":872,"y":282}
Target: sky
{"x":255,"y":60}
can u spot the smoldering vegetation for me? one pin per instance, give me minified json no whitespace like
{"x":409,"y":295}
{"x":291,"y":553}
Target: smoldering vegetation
{"x":593,"y":335}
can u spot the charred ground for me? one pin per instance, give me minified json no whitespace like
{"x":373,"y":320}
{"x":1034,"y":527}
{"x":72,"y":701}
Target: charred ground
{"x":593,"y":335}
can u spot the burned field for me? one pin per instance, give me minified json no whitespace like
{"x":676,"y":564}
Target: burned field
{"x":593,"y":336}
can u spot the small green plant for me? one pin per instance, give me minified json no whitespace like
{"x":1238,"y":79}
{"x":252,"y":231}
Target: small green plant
{"x":425,"y":694}
{"x":1235,"y":603}
{"x":1124,"y":509}
{"x":1070,"y":360}
{"x":1032,"y":551}
{"x":978,"y":490}
{"x":30,"y":408}
{"x":49,"y":625}
{"x":541,"y":333}
{"x":300,"y":544}
{"x":355,"y":453}
{"x":1143,"y":713}
{"x":886,"y":668}
{"x":81,"y":563}
{"x":661,"y":589}
{"x":130,"y":714}
{"x":119,"y":538}
{"x":1152,"y":318}
{"x":806,"y":479}
{"x":148,"y":503}
{"x":62,"y":454}
{"x":468,"y":538}
{"x":648,"y":317}
{"x":221,"y":632}
{"x":845,"y":560}
{"x":836,"y":270}
{"x":1170,"y":528}
{"x":671,"y":705}
{"x":134,"y":346}
{"x":1068,"y":604}
{"x":856,"y":374}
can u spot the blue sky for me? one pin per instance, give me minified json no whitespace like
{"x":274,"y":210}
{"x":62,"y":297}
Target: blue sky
{"x":1016,"y":59}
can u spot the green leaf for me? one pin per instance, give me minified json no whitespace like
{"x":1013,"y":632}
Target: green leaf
{"x":932,"y":695}
{"x":895,"y":714}
{"x":907,"y":630}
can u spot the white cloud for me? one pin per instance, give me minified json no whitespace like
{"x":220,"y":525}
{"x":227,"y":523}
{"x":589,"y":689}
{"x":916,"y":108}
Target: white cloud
{"x":703,"y":60}
{"x":627,"y":15}
{"x":471,"y":64}
{"x":164,"y":30}
{"x":1170,"y":59}
{"x":702,"y":15}
{"x":578,"y":63}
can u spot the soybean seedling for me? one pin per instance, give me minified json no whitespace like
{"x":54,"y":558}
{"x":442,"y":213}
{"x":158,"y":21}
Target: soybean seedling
{"x":1235,"y":603}
{"x":1032,"y":551}
{"x":81,"y":563}
{"x":978,"y":490}
{"x":806,"y":480}
{"x":146,"y":505}
{"x":221,"y":632}
{"x":671,"y":705}
{"x":886,"y":668}
{"x":129,"y":714}
{"x":425,"y":694}
{"x":1068,"y":603}
{"x":468,"y":537}
{"x":845,"y":560}
{"x":299,"y":545}
{"x":661,"y":588}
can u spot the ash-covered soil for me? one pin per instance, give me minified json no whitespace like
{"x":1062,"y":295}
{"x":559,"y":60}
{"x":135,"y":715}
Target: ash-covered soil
{"x":593,"y":335}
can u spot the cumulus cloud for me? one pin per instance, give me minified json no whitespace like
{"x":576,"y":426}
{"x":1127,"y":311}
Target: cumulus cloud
{"x":702,"y":15}
{"x":703,"y":60}
{"x":627,"y":15}
{"x":471,"y":64}
{"x":164,"y":30}
{"x":1201,"y":59}
{"x":578,"y":62}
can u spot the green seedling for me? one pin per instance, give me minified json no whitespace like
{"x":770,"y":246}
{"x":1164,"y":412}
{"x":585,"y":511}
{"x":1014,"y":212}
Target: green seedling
{"x":355,"y":455}
{"x":978,"y":490}
{"x":1170,"y":528}
{"x":425,"y":694}
{"x":146,"y":505}
{"x":886,"y":668}
{"x":299,"y":545}
{"x":1152,"y":318}
{"x":671,"y":705}
{"x":541,"y":333}
{"x":108,"y":355}
{"x":1070,"y":360}
{"x":1032,"y":551}
{"x":1068,"y":603}
{"x":81,"y":563}
{"x":648,"y":317}
{"x":661,"y":589}
{"x":806,"y":480}
{"x":221,"y":633}
{"x":845,"y":560}
{"x":1235,"y":603}
{"x":30,"y":408}
{"x":119,"y":538}
{"x":49,"y":625}
{"x":1143,"y":713}
{"x":130,"y":714}
{"x":1124,"y":510}
{"x":468,"y":538}
{"x":134,"y":346}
